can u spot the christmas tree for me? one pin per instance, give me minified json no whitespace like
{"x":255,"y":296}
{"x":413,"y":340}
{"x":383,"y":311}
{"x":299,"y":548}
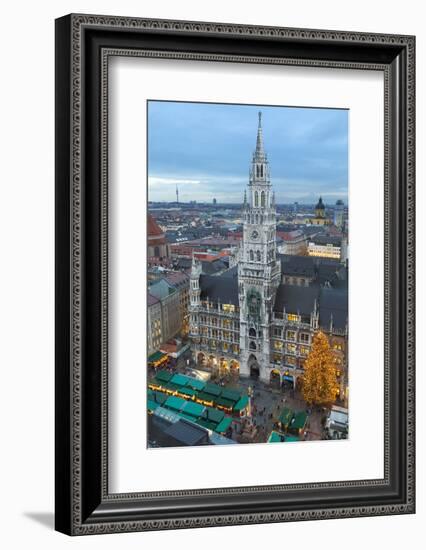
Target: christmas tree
{"x":320,"y":384}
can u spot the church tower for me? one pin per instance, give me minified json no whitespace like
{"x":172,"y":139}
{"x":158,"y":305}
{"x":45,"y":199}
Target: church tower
{"x":259,"y":271}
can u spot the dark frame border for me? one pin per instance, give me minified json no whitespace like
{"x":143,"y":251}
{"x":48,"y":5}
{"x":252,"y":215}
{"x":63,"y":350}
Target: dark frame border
{"x":83,"y":45}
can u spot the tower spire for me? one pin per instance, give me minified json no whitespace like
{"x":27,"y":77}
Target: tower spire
{"x":260,"y":150}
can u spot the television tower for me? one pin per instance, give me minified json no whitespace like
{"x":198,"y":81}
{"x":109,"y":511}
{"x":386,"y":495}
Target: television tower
{"x":177,"y":194}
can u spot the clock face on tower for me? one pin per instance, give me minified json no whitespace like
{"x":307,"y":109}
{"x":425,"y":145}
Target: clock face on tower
{"x":254,"y":234}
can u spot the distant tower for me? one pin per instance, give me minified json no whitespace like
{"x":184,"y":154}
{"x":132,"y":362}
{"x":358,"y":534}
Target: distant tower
{"x":177,"y":194}
{"x":320,"y":209}
{"x":214,"y":201}
{"x":339,"y":211}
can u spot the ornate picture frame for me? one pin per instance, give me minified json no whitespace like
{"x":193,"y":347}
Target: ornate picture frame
{"x":84,"y":43}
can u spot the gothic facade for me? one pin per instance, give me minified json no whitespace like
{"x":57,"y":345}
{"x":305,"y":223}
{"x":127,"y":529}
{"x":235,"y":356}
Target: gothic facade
{"x":254,"y":318}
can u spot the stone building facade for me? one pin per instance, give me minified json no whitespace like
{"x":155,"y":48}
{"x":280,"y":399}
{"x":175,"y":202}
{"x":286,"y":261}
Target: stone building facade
{"x":259,"y":317}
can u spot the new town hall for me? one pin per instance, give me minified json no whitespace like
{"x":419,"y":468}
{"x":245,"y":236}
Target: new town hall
{"x":258,"y":317}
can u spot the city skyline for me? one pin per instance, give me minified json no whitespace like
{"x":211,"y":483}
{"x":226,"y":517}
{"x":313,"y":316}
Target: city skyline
{"x":203,"y":149}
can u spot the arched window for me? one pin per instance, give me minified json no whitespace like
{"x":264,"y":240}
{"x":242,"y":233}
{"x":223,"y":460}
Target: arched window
{"x":261,"y":170}
{"x":257,"y":170}
{"x":251,"y":255}
{"x":258,"y":256}
{"x":262,"y":198}
{"x":252,"y":332}
{"x":252,"y":345}
{"x":256,"y":199}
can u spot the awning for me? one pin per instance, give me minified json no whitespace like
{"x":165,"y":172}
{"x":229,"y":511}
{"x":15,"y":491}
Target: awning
{"x":232,"y":395}
{"x":194,"y":409}
{"x":163,"y":376}
{"x":221,"y":402}
{"x":213,"y":389}
{"x":213,"y":415}
{"x":152,"y":405}
{"x":241,"y":404}
{"x":157,"y":357}
{"x":189,"y":392}
{"x":202,"y":396}
{"x":175,"y":403}
{"x":276,"y":437}
{"x":196,"y":384}
{"x":299,"y":421}
{"x":223,"y":425}
{"x":179,"y":379}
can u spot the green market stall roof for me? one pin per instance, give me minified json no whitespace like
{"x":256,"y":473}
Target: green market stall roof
{"x":196,"y":384}
{"x":207,"y":393}
{"x":163,"y":376}
{"x":276,"y":437}
{"x":232,"y":395}
{"x":194,"y":409}
{"x":223,"y":425}
{"x":179,"y":379}
{"x":174,"y":403}
{"x":299,"y":421}
{"x":213,"y":415}
{"x":241,"y":404}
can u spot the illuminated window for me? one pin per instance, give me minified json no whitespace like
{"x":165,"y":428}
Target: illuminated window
{"x":278,"y":344}
{"x":290,"y":360}
{"x":292,"y":317}
{"x":228,"y":308}
{"x":338,"y":346}
{"x":291,"y":335}
{"x":304,"y":350}
{"x":276,"y":358}
{"x":290,"y":348}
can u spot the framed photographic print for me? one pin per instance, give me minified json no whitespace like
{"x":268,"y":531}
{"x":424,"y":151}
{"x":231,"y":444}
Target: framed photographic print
{"x":234,"y":274}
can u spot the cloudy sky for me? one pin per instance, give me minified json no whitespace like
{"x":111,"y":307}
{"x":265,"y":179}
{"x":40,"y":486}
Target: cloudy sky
{"x":206,"y":150}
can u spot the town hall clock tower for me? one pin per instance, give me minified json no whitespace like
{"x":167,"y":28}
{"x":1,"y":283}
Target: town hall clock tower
{"x":259,"y":271}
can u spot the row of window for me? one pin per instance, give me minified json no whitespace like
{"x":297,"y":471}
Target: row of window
{"x":224,"y":346}
{"x":227,"y":308}
{"x":292,"y":334}
{"x":215,"y":322}
{"x":218,"y":334}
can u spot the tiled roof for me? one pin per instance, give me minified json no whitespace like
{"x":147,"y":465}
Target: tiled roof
{"x":333,"y":302}
{"x":161,"y":289}
{"x":296,"y":299}
{"x":219,"y":288}
{"x":153,"y":227}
